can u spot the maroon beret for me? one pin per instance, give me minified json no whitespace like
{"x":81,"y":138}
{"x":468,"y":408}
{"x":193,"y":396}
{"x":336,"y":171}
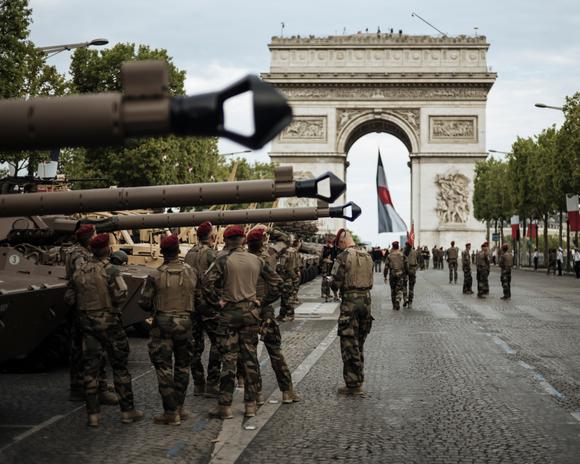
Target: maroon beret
{"x":339,"y":234}
{"x":395,"y":243}
{"x":85,"y":231}
{"x":204,"y":229}
{"x":255,"y":235}
{"x":169,"y":243}
{"x":233,"y":231}
{"x":484,"y":244}
{"x":100,"y":241}
{"x":468,"y":244}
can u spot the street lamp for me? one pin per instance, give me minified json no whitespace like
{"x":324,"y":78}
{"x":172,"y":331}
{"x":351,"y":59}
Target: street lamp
{"x":52,"y":50}
{"x":499,"y":152}
{"x":543,"y":105}
{"x":235,"y":153}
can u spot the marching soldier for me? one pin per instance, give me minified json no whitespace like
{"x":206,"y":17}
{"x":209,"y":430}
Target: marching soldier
{"x":204,"y":317}
{"x":100,"y":290}
{"x":482,"y":266}
{"x":410,"y":275}
{"x":230,"y":284}
{"x":466,"y":266}
{"x":353,"y":274}
{"x":395,"y":269}
{"x":169,"y":294}
{"x":506,"y":262}
{"x":269,"y":329}
{"x":452,"y":256}
{"x":76,"y":256}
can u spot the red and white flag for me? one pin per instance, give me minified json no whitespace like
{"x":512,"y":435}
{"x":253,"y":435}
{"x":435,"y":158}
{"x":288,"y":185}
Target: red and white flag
{"x":573,"y":213}
{"x":389,"y":220}
{"x":515,"y":223}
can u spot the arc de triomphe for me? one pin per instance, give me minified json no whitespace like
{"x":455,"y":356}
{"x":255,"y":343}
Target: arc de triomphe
{"x":430,"y":92}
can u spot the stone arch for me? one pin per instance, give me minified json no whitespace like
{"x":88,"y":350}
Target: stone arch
{"x":371,"y":121}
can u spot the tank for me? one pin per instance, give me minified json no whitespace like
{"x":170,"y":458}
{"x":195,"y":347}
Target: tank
{"x":33,"y":274}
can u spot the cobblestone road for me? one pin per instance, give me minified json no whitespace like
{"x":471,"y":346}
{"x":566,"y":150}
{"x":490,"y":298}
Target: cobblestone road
{"x":455,"y":379}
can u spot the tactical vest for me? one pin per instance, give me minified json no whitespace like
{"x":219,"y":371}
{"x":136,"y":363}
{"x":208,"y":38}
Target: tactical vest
{"x":92,"y":284}
{"x":465,"y":258}
{"x":71,"y":256}
{"x":508,"y":260}
{"x":175,"y":285}
{"x":396,"y":261}
{"x":453,"y":254}
{"x":359,"y":270}
{"x":480,"y":259}
{"x":412,"y":259}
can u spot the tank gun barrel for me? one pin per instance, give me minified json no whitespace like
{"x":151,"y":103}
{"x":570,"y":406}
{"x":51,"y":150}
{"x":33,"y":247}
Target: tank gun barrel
{"x":326,"y":187}
{"x":350,"y":211}
{"x":144,"y":108}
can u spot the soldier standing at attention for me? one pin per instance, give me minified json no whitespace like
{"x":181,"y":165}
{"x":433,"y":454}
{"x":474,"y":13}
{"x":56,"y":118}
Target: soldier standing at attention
{"x":169,"y":294}
{"x":76,"y":256}
{"x":288,"y":268}
{"x":466,"y":265}
{"x":410,"y":275}
{"x":426,"y":256}
{"x":452,"y":256}
{"x":434,"y":254}
{"x":506,"y":262}
{"x":230,"y":284}
{"x":204,"y":317}
{"x":269,"y":329}
{"x":100,"y":290}
{"x":296,"y":243}
{"x":395,"y":269}
{"x":352,"y":273}
{"x":482,"y":266}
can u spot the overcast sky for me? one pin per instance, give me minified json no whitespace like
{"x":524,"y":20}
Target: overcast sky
{"x":535,"y":49}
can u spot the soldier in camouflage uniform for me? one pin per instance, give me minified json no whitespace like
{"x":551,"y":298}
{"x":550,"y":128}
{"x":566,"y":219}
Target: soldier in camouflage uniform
{"x":434,"y":254}
{"x":410,"y":275}
{"x":230,"y":283}
{"x":482,"y":266}
{"x":352,"y":273}
{"x":395,"y":270}
{"x":205,"y":317}
{"x":269,"y":329}
{"x":327,"y":261}
{"x":100,"y":290}
{"x":169,"y":294}
{"x":452,"y":257}
{"x":466,"y":266}
{"x":288,"y":269}
{"x":75,"y":257}
{"x":506,"y":262}
{"x":296,"y":279}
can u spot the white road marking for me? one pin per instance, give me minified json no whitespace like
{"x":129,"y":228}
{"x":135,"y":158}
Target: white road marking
{"x":503,"y":345}
{"x":233,"y":439}
{"x":443,"y":311}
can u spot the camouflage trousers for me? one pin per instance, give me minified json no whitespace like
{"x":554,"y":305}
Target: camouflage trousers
{"x":239,"y":324}
{"x":482,"y":281}
{"x":287,"y":301}
{"x":506,"y":282}
{"x":354,"y":324}
{"x":397,"y":285}
{"x":295,"y":289}
{"x":103,"y":330}
{"x":170,"y":351}
{"x":202,"y":325}
{"x":467,"y":280}
{"x":77,"y":381}
{"x":272,"y":338}
{"x":452,"y":265}
{"x":409,"y":287}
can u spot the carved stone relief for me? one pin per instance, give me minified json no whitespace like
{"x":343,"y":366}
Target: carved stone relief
{"x":410,"y":115}
{"x":446,"y":129}
{"x":309,"y":128}
{"x":452,"y":198}
{"x":389,"y":93}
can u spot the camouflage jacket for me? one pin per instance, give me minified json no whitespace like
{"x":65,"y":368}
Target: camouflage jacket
{"x":200,"y":258}
{"x":110,"y":298}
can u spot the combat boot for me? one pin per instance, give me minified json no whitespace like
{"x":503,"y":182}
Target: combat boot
{"x":250,"y":409}
{"x":183,"y":414}
{"x":222,"y":412}
{"x":168,"y":418}
{"x":127,"y":417}
{"x":211,"y":391}
{"x":290,"y":396}
{"x":94,"y":420}
{"x":351,"y":391}
{"x":260,"y":399}
{"x":199,"y":390}
{"x":108,"y":398}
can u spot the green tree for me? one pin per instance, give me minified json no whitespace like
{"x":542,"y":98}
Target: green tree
{"x":142,"y":161}
{"x":23,"y":71}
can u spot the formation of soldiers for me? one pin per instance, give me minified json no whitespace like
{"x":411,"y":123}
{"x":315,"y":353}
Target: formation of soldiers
{"x":227,"y":295}
{"x":401,"y":269}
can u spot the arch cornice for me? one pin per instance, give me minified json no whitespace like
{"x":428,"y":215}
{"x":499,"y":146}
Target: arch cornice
{"x":402,"y":123}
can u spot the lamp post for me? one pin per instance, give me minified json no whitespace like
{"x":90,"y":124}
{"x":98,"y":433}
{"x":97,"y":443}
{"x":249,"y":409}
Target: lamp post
{"x":52,"y":50}
{"x":235,"y":153}
{"x":543,"y":105}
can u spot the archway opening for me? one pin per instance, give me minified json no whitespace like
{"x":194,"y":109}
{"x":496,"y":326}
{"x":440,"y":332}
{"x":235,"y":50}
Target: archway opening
{"x":361,"y":173}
